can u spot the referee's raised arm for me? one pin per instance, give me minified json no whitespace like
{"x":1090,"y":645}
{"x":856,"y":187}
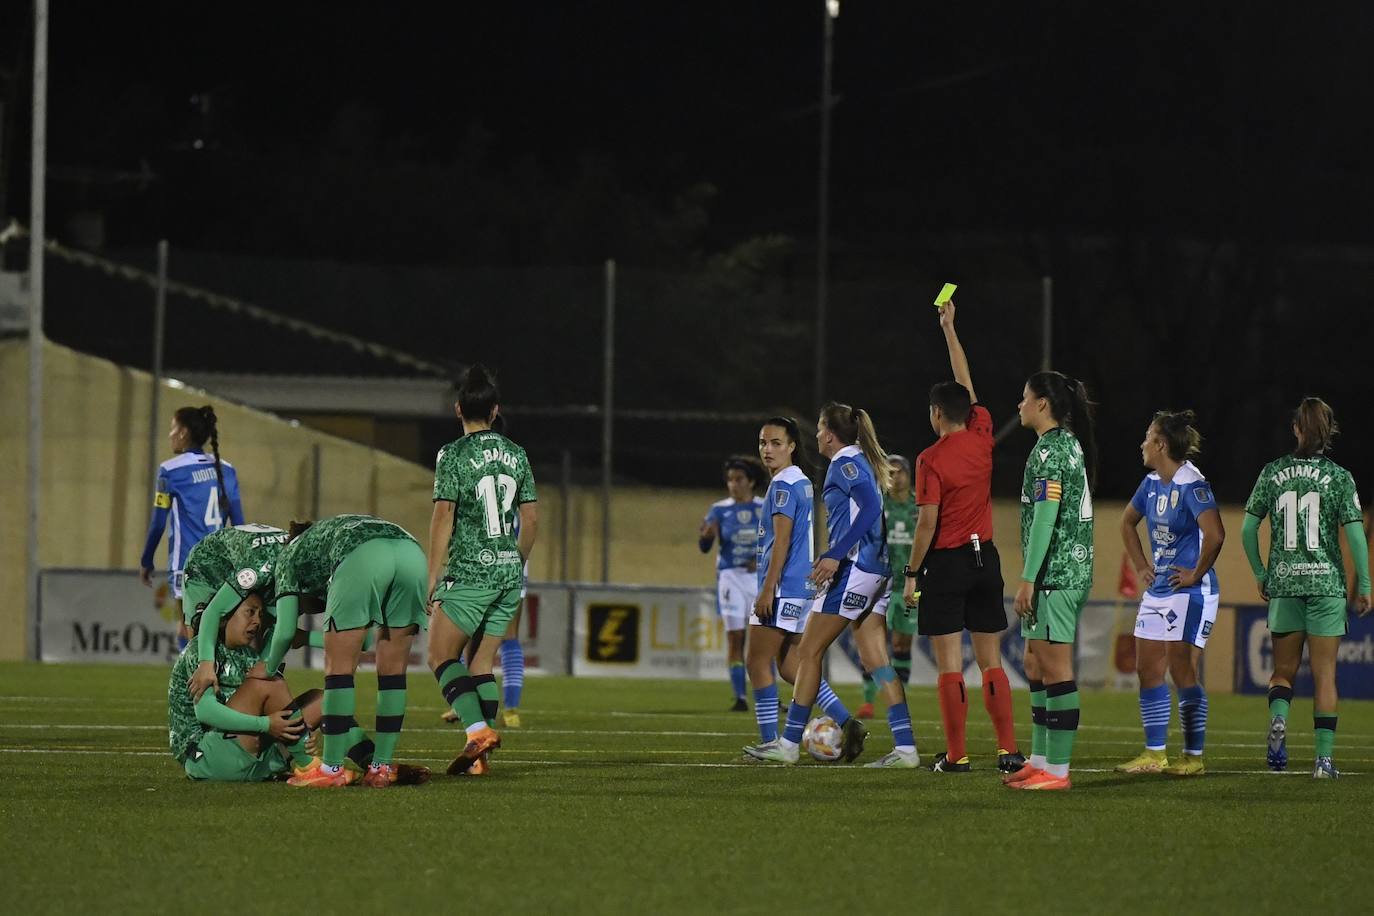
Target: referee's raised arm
{"x":957,"y":360}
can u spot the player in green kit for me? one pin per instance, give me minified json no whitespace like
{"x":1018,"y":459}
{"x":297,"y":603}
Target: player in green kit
{"x":368,"y":573}
{"x":1308,"y":499}
{"x":1057,"y":547}
{"x":899,"y":514}
{"x":476,"y":561}
{"x":247,"y":728}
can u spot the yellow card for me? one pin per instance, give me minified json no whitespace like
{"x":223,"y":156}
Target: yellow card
{"x":946,"y":294}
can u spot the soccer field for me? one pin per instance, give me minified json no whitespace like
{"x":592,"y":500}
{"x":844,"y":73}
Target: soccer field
{"x":629,"y":796}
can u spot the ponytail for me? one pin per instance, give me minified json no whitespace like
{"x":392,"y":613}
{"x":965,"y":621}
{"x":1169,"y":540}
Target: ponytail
{"x":1315,"y":423}
{"x":1072,"y":408}
{"x":852,"y":425}
{"x":202,"y":426}
{"x":1180,"y":436}
{"x":212,"y":421}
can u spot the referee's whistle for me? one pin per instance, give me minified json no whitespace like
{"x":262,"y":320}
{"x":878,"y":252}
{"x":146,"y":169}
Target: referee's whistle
{"x":977,"y":549}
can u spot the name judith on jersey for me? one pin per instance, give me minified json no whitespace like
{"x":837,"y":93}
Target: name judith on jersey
{"x":203,"y":476}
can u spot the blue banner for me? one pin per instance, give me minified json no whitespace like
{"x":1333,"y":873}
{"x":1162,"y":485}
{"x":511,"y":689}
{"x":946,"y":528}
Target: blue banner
{"x":1255,"y":657}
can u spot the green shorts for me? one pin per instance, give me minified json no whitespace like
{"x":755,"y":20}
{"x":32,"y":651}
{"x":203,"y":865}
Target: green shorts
{"x":1056,"y":615}
{"x":1315,"y":615}
{"x":898,"y":619}
{"x":195,"y":596}
{"x":471,"y":609}
{"x":381,"y":583}
{"x":219,"y":758}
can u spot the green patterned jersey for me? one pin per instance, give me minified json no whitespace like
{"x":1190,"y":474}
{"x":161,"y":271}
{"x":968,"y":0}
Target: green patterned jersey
{"x":231,"y":667}
{"x":1055,"y":472}
{"x":305,"y":566}
{"x":486,"y":476}
{"x":243,"y":557}
{"x":1307,"y":501}
{"x":901,"y":531}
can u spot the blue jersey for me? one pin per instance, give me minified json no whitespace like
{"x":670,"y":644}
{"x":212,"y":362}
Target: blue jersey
{"x":789,"y":494}
{"x":739,"y":525}
{"x":1171,"y":511}
{"x":854,"y":512}
{"x":188,"y":496}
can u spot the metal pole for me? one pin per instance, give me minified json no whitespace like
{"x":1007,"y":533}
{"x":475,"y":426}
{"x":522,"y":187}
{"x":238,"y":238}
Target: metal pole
{"x":315,"y":464}
{"x":1046,"y":322}
{"x":37,"y":230}
{"x":159,"y":333}
{"x":607,"y":411}
{"x":565,"y":497}
{"x":832,"y":9}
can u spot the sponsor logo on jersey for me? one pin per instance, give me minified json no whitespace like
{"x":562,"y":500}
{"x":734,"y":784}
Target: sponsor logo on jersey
{"x":780,"y":498}
{"x":1282,"y":570}
{"x":247,"y":578}
{"x":1044,"y":454}
{"x":790,"y":610}
{"x":1080,"y":553}
{"x":854,"y":601}
{"x":1206,"y":628}
{"x":850,"y":470}
{"x":487,"y":557}
{"x":1162,"y":535}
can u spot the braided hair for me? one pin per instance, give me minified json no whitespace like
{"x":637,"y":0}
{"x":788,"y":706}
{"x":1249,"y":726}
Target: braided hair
{"x":202,"y":426}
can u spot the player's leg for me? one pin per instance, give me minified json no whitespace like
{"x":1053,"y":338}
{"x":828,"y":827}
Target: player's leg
{"x":764,"y":645}
{"x":1152,"y":633}
{"x":734,"y":642}
{"x":870,"y":634}
{"x":985,"y":617}
{"x":1036,"y":763}
{"x":1057,"y":612}
{"x":903,"y":633}
{"x":736,"y":590}
{"x":1287,"y":629}
{"x":1185,"y":656}
{"x":512,"y":656}
{"x":446,"y":643}
{"x":941,"y":620}
{"x":821,"y":630}
{"x":1326,"y":624}
{"x":341,"y":651}
{"x":485,"y":611}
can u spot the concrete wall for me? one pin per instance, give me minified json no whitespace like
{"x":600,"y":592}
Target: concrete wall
{"x":97,"y":486}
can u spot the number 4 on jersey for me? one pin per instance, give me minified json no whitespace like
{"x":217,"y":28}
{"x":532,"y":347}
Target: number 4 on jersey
{"x":497,"y":508}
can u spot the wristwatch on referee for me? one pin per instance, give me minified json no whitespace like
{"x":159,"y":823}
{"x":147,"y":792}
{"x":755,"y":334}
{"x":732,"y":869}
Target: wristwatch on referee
{"x":910,"y":573}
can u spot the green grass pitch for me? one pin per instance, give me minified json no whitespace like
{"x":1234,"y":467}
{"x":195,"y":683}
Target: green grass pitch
{"x":628,"y":796}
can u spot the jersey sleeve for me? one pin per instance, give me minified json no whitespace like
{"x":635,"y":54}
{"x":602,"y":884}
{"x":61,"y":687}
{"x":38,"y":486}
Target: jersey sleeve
{"x":980,"y":421}
{"x":526,"y":492}
{"x":846,"y":474}
{"x":1050,"y":470}
{"x":1349,"y":505}
{"x":1199,"y":498}
{"x":446,"y":476}
{"x":785,"y":501}
{"x":162,"y":504}
{"x":1138,"y":500}
{"x":927,"y":483}
{"x":1258,"y":503}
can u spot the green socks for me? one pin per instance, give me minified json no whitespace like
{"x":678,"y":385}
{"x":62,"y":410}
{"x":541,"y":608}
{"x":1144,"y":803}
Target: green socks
{"x":1039,"y":732}
{"x":1279,"y":700}
{"x":1061,"y":722}
{"x":488,"y":697}
{"x":1325,"y":727}
{"x":460,"y":690}
{"x":337,"y":720}
{"x":391,"y":712}
{"x":870,"y":688}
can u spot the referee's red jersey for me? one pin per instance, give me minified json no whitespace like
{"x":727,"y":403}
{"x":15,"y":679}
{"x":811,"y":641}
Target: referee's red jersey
{"x":956,"y":473}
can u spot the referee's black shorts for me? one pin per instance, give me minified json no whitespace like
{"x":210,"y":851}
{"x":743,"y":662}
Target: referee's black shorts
{"x":957,"y":594}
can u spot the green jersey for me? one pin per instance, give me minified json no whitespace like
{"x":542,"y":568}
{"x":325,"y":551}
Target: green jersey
{"x":1310,"y":499}
{"x":305,"y":566}
{"x":486,"y":476}
{"x":240,"y":557}
{"x":901,"y":531}
{"x":231,"y":667}
{"x":1056,"y":472}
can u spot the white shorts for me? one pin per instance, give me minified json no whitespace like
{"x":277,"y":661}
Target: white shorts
{"x":852,"y":593}
{"x":176,"y":580}
{"x":789,"y":615}
{"x":736,"y":590}
{"x":1177,"y":618}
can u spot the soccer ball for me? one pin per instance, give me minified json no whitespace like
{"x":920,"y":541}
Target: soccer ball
{"x":822,"y":739}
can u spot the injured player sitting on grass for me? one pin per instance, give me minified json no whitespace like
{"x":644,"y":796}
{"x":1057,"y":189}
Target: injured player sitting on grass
{"x":240,"y":725}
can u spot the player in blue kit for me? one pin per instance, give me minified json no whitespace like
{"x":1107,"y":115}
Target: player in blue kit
{"x":734,"y":522}
{"x":785,"y":594}
{"x":198,"y":492}
{"x":852,"y":578}
{"x":1179,"y":608}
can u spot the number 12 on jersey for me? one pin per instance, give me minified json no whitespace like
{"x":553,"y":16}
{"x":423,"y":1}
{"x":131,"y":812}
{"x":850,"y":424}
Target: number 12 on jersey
{"x":497,"y":506}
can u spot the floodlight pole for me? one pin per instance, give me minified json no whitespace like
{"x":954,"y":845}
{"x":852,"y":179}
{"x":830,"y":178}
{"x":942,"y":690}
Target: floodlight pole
{"x":37,"y":230}
{"x":607,"y":411}
{"x":831,"y":10}
{"x":1046,"y":322}
{"x":159,"y":334}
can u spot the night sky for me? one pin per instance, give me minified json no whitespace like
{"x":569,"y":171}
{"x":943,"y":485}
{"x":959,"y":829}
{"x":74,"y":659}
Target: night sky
{"x":1195,"y":176}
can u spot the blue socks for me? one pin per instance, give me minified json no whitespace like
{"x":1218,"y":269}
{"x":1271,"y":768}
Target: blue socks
{"x":899,"y":720}
{"x":1192,"y":713}
{"x":825,"y":696}
{"x":512,"y":672}
{"x":737,"y":679}
{"x":797,"y":717}
{"x":766,"y":712}
{"x":1155,"y":708}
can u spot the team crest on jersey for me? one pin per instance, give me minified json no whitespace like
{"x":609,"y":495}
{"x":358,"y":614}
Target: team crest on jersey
{"x":247,"y":578}
{"x":850,"y":469}
{"x":790,"y":610}
{"x":1202,"y":495}
{"x":1160,"y":503}
{"x":855,"y":601}
{"x":745,"y":516}
{"x":1173,"y":499}
{"x":780,"y":498}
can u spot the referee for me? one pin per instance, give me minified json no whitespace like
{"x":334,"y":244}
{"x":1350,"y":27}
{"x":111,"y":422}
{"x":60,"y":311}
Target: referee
{"x":956,"y":561}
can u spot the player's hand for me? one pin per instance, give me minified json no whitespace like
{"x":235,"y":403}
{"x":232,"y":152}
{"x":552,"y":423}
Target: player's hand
{"x":909,"y":591}
{"x":1362,"y":605}
{"x":823,"y":571}
{"x":145,"y":575}
{"x":202,"y":680}
{"x":431,"y":606}
{"x":752,"y":566}
{"x":312,"y":743}
{"x":1183,"y":578}
{"x":1145,"y":575}
{"x":284,"y":728}
{"x":947,"y":315}
{"x":1263,"y":592}
{"x":763,"y":606}
{"x":1023,"y":604}
{"x":258,"y":670}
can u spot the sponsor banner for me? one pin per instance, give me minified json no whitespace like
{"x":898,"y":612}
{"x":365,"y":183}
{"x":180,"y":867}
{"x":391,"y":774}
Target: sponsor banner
{"x":648,"y":632}
{"x":544,"y":629}
{"x":1255,"y":657}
